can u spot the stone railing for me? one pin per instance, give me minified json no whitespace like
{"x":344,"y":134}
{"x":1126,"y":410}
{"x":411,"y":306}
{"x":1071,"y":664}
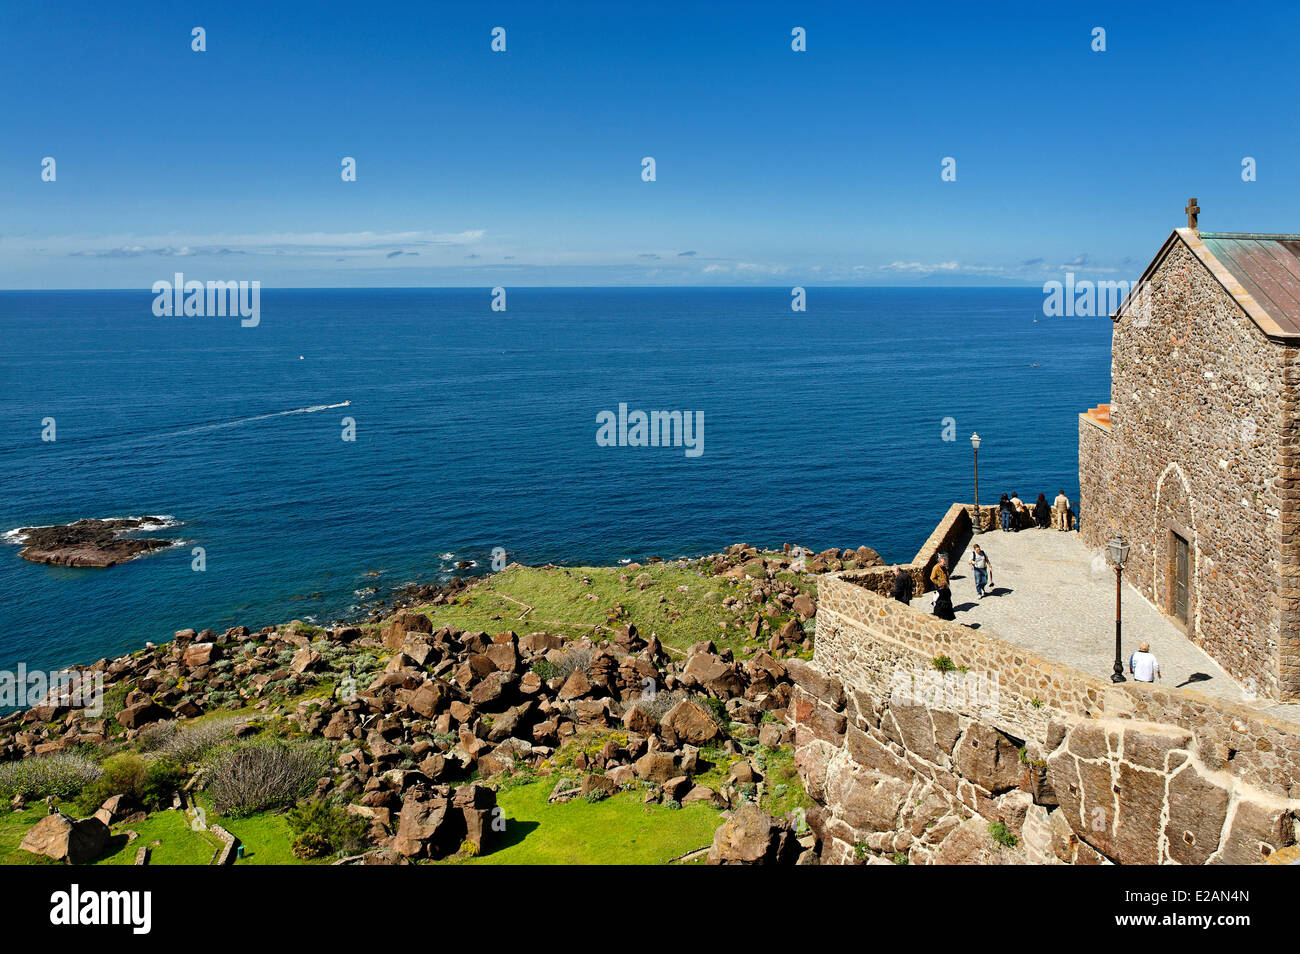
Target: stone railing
{"x":912,"y":733}
{"x":951,"y":537}
{"x":866,"y":640}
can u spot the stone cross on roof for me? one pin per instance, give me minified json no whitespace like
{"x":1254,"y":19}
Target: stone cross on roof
{"x":1192,"y":210}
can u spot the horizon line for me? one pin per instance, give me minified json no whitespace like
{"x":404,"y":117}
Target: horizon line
{"x":594,"y":287}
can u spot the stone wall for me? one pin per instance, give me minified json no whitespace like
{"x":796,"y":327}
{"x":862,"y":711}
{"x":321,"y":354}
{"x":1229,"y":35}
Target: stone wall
{"x":951,"y":536}
{"x":905,"y":760}
{"x":1202,"y":419}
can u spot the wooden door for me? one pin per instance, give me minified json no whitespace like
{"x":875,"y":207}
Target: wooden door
{"x":1182,"y":580}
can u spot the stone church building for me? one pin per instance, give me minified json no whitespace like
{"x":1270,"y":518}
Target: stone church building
{"x":1196,"y":460}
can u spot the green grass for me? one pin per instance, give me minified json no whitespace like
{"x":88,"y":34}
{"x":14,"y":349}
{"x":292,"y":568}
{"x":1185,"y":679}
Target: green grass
{"x":265,"y":836}
{"x":266,"y":839}
{"x":13,"y":827}
{"x":178,"y":843}
{"x":619,"y":830}
{"x":559,"y":604}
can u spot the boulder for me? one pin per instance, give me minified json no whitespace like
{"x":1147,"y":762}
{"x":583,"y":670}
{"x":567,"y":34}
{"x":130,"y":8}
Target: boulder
{"x":688,"y":722}
{"x":116,"y":808}
{"x":305,"y":660}
{"x":428,"y":828}
{"x":66,"y":839}
{"x":477,"y":805}
{"x":753,"y":837}
{"x":575,"y":687}
{"x":199,"y":654}
{"x":402,"y":623}
{"x":142,"y":713}
{"x":656,"y":767}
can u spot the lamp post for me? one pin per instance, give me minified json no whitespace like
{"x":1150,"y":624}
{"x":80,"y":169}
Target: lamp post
{"x":1118,"y":551}
{"x":975,"y":446}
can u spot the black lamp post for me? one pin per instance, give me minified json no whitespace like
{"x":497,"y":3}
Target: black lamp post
{"x":975,"y":446}
{"x":1118,"y":550}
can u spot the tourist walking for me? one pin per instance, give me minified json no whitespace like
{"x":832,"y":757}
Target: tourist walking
{"x":902,"y":586}
{"x":1042,"y":512}
{"x":1061,"y":511}
{"x":943,"y":592}
{"x":979,"y":562}
{"x":1142,"y":665}
{"x":1005,"y":512}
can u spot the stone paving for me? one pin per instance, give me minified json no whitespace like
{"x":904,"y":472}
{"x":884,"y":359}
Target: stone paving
{"x":1054,"y":597}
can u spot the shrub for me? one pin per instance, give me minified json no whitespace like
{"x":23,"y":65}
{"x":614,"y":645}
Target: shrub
{"x":63,"y":775}
{"x":190,"y":743}
{"x":324,"y":826}
{"x":572,"y":661}
{"x":944,"y":664}
{"x":248,"y":777}
{"x":999,"y":832}
{"x":661,"y":703}
{"x":545,"y":669}
{"x":150,"y":781}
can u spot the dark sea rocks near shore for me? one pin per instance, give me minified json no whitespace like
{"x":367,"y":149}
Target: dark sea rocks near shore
{"x":91,"y":542}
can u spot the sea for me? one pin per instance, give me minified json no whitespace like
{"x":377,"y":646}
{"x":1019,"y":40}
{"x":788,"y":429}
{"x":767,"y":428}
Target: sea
{"x":474,"y":431}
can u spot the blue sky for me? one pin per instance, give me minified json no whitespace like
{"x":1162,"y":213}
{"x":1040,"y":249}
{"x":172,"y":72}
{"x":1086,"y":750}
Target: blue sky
{"x":524,"y":167}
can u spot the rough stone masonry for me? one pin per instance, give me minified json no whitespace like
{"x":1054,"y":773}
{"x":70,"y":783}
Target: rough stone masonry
{"x":1202,"y":445}
{"x":1076,"y":770}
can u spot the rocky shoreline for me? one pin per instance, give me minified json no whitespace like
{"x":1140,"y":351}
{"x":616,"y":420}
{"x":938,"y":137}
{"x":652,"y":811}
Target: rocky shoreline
{"x":91,"y":542}
{"x":422,"y":721}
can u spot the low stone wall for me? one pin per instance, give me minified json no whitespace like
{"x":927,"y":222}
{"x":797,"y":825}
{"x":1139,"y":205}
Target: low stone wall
{"x":229,"y":845}
{"x":904,"y":758}
{"x":951,"y":536}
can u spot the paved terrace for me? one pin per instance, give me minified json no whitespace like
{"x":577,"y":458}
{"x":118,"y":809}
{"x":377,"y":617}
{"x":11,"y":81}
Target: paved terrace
{"x":1053,"y":597}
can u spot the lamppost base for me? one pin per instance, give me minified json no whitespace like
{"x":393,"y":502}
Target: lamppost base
{"x":1118,"y":677}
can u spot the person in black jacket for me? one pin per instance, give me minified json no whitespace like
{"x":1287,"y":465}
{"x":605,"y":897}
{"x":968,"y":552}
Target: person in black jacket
{"x":902,"y":586}
{"x":1043,"y":512}
{"x":1007,"y":513}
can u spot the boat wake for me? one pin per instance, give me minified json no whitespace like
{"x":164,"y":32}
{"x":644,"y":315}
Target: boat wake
{"x":258,"y":417}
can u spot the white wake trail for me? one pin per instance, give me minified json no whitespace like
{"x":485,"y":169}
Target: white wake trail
{"x":259,"y":417}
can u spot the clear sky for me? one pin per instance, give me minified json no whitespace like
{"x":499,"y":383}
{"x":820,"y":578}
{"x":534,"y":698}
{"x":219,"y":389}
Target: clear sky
{"x":773,"y":167}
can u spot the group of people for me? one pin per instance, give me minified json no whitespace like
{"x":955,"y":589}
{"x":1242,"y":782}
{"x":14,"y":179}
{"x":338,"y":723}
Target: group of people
{"x":943,"y":608}
{"x":1142,"y":665}
{"x":1016,"y":516}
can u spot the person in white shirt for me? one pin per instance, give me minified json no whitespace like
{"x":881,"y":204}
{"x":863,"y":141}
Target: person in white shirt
{"x":1142,"y":665}
{"x":1018,"y":515}
{"x":979,"y":561}
{"x":1061,"y":510}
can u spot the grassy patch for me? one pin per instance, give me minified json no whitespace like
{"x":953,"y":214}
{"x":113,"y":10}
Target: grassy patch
{"x":178,"y":843}
{"x":618,"y":830}
{"x":557,"y":600}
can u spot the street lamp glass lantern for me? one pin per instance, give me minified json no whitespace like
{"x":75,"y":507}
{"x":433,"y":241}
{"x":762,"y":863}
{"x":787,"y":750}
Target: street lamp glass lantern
{"x":975,"y":441}
{"x":1118,"y":548}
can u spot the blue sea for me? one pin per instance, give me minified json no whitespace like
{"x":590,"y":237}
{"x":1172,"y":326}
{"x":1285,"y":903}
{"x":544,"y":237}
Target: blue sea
{"x":476,"y":429}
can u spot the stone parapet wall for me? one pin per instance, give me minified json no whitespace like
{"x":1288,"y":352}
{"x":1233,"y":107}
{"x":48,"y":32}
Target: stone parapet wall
{"x":951,"y":536}
{"x":906,"y":761}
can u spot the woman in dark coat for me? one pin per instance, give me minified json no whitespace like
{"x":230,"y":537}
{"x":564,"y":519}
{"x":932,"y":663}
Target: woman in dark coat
{"x":943,"y":605}
{"x":1043,"y":512}
{"x":902,"y":586}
